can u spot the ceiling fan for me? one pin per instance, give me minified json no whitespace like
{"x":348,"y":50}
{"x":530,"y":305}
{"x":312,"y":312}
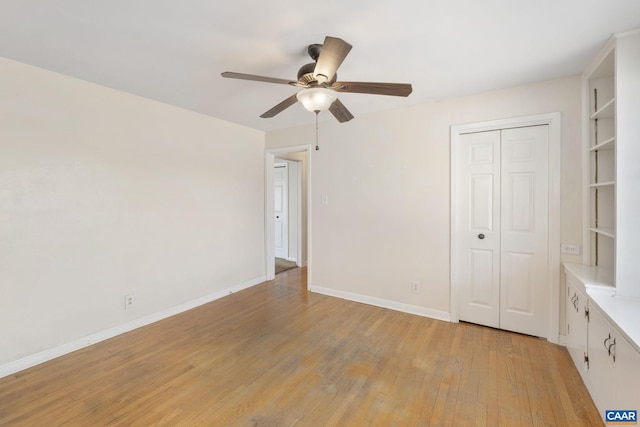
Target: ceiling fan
{"x":319,"y":80}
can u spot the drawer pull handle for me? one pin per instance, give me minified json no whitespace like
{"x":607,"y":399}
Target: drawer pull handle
{"x":611,"y":353}
{"x":606,"y":347}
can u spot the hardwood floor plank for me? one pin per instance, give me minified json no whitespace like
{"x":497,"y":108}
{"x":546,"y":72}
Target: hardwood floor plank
{"x":277,"y":355}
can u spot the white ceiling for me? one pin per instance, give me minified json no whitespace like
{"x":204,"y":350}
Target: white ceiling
{"x":174,"y":51}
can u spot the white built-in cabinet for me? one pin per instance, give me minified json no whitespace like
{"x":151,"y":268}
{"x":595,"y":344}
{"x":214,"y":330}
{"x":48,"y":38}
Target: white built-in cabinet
{"x":602,"y":307}
{"x":606,"y":355}
{"x":601,"y":101}
{"x":614,"y":365}
{"x":576,"y":339}
{"x":611,"y":92}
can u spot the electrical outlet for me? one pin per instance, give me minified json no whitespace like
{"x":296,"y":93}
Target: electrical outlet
{"x":415,"y":287}
{"x":570,"y":249}
{"x":129,"y":301}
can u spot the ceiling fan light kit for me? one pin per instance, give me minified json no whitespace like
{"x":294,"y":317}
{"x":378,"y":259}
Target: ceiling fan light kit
{"x":316,"y":98}
{"x":319,"y":82}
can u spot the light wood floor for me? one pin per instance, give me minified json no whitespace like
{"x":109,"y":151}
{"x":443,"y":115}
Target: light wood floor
{"x":275,"y":355}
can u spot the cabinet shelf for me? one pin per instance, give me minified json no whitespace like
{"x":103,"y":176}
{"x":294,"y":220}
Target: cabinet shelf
{"x":606,"y":112}
{"x":609,"y":144}
{"x":608,"y":232}
{"x":602,"y":184}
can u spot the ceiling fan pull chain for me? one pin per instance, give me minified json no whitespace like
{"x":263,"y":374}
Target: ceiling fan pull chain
{"x":317,"y":112}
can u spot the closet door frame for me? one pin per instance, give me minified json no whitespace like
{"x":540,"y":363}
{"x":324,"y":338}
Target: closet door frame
{"x":553,"y":120}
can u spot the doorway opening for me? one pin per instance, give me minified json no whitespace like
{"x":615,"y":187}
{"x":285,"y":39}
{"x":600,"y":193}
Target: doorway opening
{"x":298,"y":205}
{"x":283,"y":265}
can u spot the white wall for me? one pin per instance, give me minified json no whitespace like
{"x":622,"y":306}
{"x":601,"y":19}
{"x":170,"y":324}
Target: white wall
{"x":627,"y":168}
{"x":386,"y":176}
{"x":104,"y":194}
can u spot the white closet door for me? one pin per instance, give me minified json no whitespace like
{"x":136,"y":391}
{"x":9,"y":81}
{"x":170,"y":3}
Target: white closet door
{"x":524,"y":287}
{"x":280,"y":206}
{"x":478,"y":228}
{"x":502,"y":229}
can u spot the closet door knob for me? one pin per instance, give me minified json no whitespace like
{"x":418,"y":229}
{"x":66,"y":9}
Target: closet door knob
{"x":480,"y":236}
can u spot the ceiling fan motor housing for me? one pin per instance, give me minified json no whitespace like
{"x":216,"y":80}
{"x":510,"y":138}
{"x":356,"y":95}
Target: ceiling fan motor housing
{"x":314,"y":51}
{"x":306,"y":72}
{"x":306,"y":77}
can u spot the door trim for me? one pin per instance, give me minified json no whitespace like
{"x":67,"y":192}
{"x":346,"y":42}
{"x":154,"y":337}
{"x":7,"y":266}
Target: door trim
{"x":553,"y":120}
{"x":299,"y":213}
{"x":269,"y":226}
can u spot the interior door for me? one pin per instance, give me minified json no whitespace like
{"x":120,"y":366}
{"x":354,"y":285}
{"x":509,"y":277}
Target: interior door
{"x":478,"y":230}
{"x":524,"y":287}
{"x":502,"y":229}
{"x":280,"y":206}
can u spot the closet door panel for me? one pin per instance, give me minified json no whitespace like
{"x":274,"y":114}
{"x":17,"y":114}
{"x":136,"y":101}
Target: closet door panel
{"x":524,"y":230}
{"x":478,"y":228}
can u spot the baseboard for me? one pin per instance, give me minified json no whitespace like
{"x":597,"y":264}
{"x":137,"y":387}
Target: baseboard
{"x":562,"y":340}
{"x":379,"y":302}
{"x":61,"y":350}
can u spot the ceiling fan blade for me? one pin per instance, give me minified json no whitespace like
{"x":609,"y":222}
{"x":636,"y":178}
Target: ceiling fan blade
{"x":333,"y":52}
{"x":340,"y":112}
{"x":241,"y":76}
{"x":393,"y":89}
{"x":280,"y":107}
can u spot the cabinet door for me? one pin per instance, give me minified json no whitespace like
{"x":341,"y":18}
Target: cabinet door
{"x":576,"y":326}
{"x":602,"y":385}
{"x":627,"y":374}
